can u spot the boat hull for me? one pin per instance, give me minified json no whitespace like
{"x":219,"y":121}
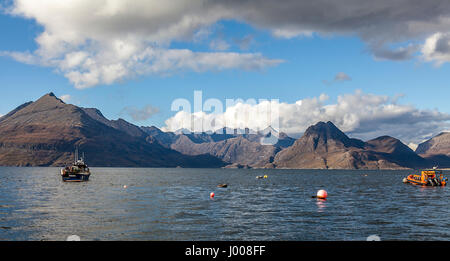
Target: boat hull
{"x":78,"y":177}
{"x":420,"y":183}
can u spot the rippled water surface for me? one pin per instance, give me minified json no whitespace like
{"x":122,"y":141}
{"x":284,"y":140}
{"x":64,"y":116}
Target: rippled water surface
{"x":174,"y":204}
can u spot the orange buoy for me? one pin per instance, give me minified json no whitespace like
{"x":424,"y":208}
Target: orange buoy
{"x":322,"y":194}
{"x":211,"y":195}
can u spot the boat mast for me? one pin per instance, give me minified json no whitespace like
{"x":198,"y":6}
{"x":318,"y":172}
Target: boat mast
{"x":76,"y":154}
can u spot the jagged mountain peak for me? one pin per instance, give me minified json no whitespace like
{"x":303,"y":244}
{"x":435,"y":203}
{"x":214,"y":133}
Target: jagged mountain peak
{"x":48,"y":110}
{"x":388,"y":144}
{"x":49,"y":98}
{"x":321,"y":127}
{"x":323,"y":132}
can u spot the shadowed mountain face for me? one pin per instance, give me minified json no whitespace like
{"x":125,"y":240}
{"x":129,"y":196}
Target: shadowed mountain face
{"x":237,"y":149}
{"x":45,"y":132}
{"x":233,"y":150}
{"x":436,"y":150}
{"x":156,"y":135}
{"x":324,"y":146}
{"x":119,"y":124}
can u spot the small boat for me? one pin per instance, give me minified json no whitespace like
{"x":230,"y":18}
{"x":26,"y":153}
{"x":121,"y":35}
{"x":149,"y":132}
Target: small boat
{"x":432,"y":177}
{"x":78,"y":172}
{"x":222,"y":185}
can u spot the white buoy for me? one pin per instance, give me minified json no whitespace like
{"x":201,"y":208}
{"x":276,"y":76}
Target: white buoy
{"x":373,"y":238}
{"x":73,"y":238}
{"x":125,"y":186}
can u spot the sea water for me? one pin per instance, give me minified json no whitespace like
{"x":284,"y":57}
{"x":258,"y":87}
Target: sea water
{"x":175,"y":204}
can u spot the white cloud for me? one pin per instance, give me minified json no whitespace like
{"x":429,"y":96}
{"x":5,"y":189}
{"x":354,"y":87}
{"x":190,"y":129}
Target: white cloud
{"x":437,"y":48}
{"x":116,"y":63}
{"x":219,"y":45}
{"x":361,"y":115}
{"x":413,"y":146}
{"x":106,"y":41}
{"x":65,"y":98}
{"x":23,"y":57}
{"x":291,"y":33}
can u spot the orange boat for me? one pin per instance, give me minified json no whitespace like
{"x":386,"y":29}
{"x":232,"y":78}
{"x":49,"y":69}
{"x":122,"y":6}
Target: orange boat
{"x":433,"y":177}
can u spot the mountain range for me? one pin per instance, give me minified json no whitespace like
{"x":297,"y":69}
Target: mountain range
{"x":45,"y":133}
{"x":324,"y":146}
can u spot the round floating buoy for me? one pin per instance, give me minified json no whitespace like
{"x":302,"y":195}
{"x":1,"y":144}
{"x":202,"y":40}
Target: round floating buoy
{"x":265,"y":176}
{"x":125,"y":186}
{"x":373,"y":238}
{"x":73,"y":238}
{"x":322,"y":194}
{"x":405,"y":180}
{"x":211,"y":195}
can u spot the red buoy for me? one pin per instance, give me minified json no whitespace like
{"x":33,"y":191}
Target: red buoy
{"x":211,"y":195}
{"x":322,"y":194}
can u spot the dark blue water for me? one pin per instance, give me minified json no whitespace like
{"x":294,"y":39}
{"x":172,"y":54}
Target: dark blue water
{"x":174,"y":204}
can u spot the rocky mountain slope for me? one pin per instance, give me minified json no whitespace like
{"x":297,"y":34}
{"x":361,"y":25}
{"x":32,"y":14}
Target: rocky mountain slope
{"x":250,"y":149}
{"x":324,"y":146}
{"x":45,"y":133}
{"x":436,"y":150}
{"x":237,"y":150}
{"x":439,"y":144}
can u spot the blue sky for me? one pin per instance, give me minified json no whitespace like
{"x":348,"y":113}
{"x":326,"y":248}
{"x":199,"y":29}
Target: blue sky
{"x":308,"y":61}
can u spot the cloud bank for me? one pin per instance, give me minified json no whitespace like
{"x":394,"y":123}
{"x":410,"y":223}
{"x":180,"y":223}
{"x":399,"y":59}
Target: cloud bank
{"x":361,"y":115}
{"x":107,"y":41}
{"x":66,"y":98}
{"x":141,"y":114}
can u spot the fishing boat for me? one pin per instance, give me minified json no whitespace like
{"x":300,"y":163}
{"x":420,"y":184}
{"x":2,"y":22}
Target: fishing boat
{"x":77,"y":172}
{"x":431,"y":177}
